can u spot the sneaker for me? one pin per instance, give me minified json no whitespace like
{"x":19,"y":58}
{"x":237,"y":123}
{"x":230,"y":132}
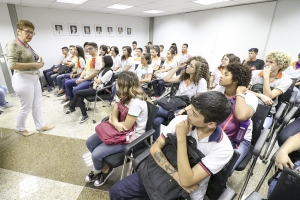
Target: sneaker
{"x":69,"y":111}
{"x":1,"y":109}
{"x":51,"y":88}
{"x":92,"y":177}
{"x":103,"y":177}
{"x":154,"y":98}
{"x":83,"y":119}
{"x":7,"y":105}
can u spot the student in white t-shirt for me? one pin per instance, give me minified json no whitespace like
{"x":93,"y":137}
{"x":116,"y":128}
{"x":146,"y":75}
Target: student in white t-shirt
{"x":155,"y":58}
{"x":193,"y":80}
{"x":233,"y":83}
{"x":133,"y":97}
{"x":158,"y":82}
{"x":162,"y":53}
{"x":116,"y":57}
{"x":127,"y":61}
{"x":272,"y":76}
{"x":137,"y":57}
{"x":184,"y":55}
{"x":176,"y":56}
{"x":103,"y":78}
{"x":208,"y":110}
{"x":144,"y":71}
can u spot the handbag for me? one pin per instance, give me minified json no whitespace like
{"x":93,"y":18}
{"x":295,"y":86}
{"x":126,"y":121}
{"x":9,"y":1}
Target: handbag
{"x":108,"y":134}
{"x":174,"y":103}
{"x":61,"y":69}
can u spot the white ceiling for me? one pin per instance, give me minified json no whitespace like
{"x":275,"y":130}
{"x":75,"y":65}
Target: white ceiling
{"x":168,"y":6}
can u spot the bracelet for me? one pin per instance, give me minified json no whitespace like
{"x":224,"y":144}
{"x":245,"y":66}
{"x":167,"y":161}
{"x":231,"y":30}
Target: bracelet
{"x":241,"y":95}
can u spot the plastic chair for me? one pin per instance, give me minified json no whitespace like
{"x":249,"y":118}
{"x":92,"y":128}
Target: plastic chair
{"x":259,"y":136}
{"x":136,"y":147}
{"x":287,"y":187}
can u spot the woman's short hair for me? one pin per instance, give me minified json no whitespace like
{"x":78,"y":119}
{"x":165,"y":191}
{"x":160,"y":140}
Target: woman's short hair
{"x":108,"y":61}
{"x":129,"y":50}
{"x":241,"y":74}
{"x":21,"y":24}
{"x":147,"y":57}
{"x":282,"y":58}
{"x":116,"y":49}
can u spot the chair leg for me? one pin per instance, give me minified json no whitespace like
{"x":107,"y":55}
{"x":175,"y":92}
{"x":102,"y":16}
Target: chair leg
{"x":124,"y":163}
{"x":94,"y":121}
{"x":264,"y":177}
{"x":270,"y":136}
{"x":247,"y":178}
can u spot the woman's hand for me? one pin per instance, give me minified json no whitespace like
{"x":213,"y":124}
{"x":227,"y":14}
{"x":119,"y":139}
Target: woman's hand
{"x":80,"y":80}
{"x":95,"y":85}
{"x":283,"y":160}
{"x":265,"y":99}
{"x":39,"y":65}
{"x":120,"y":127}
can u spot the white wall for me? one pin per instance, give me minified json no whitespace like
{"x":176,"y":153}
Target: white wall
{"x":285,"y":29}
{"x":49,"y":46}
{"x":213,"y":33}
{"x":7,"y":33}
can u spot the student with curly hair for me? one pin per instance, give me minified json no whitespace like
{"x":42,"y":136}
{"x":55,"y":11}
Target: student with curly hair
{"x":133,"y":97}
{"x":272,"y":76}
{"x":193,"y":80}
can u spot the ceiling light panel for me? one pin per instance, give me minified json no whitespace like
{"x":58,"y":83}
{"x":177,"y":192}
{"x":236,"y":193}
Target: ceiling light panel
{"x":72,"y":1}
{"x":153,"y":11}
{"x":119,"y":6}
{"x":208,"y":2}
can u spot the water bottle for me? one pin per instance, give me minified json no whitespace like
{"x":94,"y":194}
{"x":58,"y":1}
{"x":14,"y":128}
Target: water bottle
{"x":242,"y":130}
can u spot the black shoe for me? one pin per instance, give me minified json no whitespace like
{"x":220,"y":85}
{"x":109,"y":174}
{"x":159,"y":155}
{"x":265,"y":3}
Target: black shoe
{"x":103,"y":177}
{"x":92,"y":177}
{"x":83,"y":119}
{"x":69,"y":111}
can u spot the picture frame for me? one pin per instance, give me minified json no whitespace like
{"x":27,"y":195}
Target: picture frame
{"x":98,"y":28}
{"x":120,"y":31}
{"x":58,"y":29}
{"x":128,"y":31}
{"x":86,"y":30}
{"x":110,"y":31}
{"x":73,"y":29}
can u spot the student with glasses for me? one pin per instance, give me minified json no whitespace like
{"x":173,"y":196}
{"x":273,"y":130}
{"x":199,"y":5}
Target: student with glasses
{"x":24,"y":61}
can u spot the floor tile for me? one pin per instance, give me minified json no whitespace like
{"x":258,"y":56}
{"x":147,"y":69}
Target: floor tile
{"x":15,"y":185}
{"x":90,"y":193}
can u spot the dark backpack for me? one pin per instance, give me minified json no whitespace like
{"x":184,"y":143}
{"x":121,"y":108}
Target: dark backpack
{"x":174,"y":103}
{"x":158,"y":182}
{"x":104,"y":71}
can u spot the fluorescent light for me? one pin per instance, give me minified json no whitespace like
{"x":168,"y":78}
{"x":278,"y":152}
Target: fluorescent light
{"x":153,"y":11}
{"x":208,"y":2}
{"x":119,"y":6}
{"x":72,"y":1}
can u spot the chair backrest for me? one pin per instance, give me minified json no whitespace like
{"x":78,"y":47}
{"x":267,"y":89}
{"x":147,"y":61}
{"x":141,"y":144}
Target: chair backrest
{"x":217,"y":182}
{"x":258,"y":120}
{"x":174,"y":89}
{"x":287,"y":187}
{"x":152,"y":110}
{"x":285,"y":97}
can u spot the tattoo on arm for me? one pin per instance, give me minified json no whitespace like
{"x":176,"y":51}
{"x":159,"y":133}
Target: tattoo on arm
{"x":159,"y":144}
{"x":170,"y":170}
{"x":159,"y":157}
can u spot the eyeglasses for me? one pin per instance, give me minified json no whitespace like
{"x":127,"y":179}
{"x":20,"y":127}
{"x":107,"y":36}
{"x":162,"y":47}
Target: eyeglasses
{"x":28,"y":32}
{"x":90,"y":49}
{"x":190,"y":65}
{"x":225,"y":59}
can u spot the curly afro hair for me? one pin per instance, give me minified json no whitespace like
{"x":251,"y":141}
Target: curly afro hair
{"x":240,"y":73}
{"x":282,"y":58}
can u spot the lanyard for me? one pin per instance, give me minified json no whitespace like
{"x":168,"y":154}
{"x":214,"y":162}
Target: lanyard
{"x":32,"y":51}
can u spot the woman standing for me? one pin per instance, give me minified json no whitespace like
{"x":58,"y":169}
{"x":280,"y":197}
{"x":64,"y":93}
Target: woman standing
{"x":23,"y":59}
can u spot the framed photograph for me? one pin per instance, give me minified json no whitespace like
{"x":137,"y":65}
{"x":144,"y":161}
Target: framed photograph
{"x":120,"y":31}
{"x":128,"y":31}
{"x":58,"y":28}
{"x":87,"y":31}
{"x":110,"y":32}
{"x":98,"y":30}
{"x":73,"y":29}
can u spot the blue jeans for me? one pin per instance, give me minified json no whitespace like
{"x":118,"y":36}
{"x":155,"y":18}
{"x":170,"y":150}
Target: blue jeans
{"x":243,"y":149}
{"x":47,"y":74}
{"x":113,"y":91}
{"x":72,"y":87}
{"x":100,"y":150}
{"x":158,"y":87}
{"x":3,"y":91}
{"x":128,"y":188}
{"x":53,"y":77}
{"x":161,"y":115}
{"x":59,"y":79}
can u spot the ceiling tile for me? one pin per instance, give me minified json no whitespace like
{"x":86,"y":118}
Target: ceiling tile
{"x":63,"y":5}
{"x":133,"y":2}
{"x":98,"y":3}
{"x":37,"y":3}
{"x":86,"y":8}
{"x":172,"y":2}
{"x":16,"y":2}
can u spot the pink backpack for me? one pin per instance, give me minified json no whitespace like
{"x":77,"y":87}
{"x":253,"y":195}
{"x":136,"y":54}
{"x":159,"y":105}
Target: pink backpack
{"x":110,"y":135}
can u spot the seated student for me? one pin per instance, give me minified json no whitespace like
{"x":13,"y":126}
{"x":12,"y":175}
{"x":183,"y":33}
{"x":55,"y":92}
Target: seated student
{"x":86,"y":50}
{"x":130,"y":94}
{"x":103,"y":50}
{"x":162,"y":53}
{"x":233,"y":83}
{"x":155,"y":58}
{"x":137,"y":57}
{"x":293,"y":71}
{"x":116,"y":57}
{"x":193,"y":80}
{"x":217,"y":73}
{"x":176,"y":56}
{"x":3,"y":102}
{"x":77,"y":69}
{"x":184,"y":55}
{"x":252,"y":62}
{"x":93,"y":65}
{"x":70,"y":63}
{"x":146,"y":49}
{"x":127,"y":62}
{"x":208,"y":110}
{"x":108,"y":51}
{"x":52,"y":72}
{"x":158,"y":76}
{"x":272,"y":76}
{"x":144,"y":71}
{"x":103,"y":78}
{"x":134,"y":48}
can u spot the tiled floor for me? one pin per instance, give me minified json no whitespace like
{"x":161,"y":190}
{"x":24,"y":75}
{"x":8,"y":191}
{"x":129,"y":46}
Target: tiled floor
{"x":53,"y":165}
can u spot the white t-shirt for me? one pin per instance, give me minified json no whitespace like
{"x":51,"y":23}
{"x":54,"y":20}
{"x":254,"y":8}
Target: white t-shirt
{"x":191,"y":89}
{"x":155,"y":63}
{"x":92,"y":64}
{"x":130,"y":62}
{"x":138,"y":108}
{"x":167,"y":64}
{"x":117,"y":62}
{"x":252,"y":101}
{"x":87,"y":56}
{"x":292,"y":72}
{"x":137,"y":60}
{"x":184,"y":57}
{"x":177,"y":58}
{"x":79,"y":65}
{"x":143,"y":73}
{"x":216,"y":148}
{"x":281,"y":84}
{"x":217,"y":73}
{"x":163,"y":54}
{"x":106,"y":77}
